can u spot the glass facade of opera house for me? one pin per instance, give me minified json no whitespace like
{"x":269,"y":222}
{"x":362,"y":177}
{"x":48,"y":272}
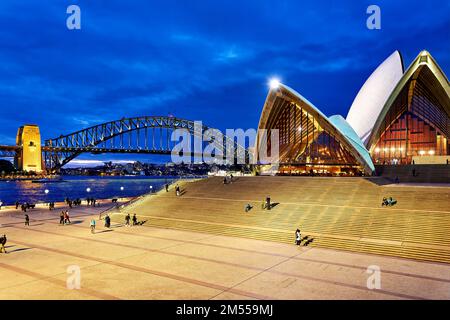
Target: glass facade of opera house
{"x":398,"y":117}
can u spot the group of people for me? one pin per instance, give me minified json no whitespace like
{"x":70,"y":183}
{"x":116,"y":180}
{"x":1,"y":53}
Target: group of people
{"x":227,"y":179}
{"x":71,"y":203}
{"x":24,"y":206}
{"x":64,"y":217}
{"x":388,"y":202}
{"x":91,"y":201}
{"x":93,"y":223}
{"x":51,"y":206}
{"x":266,"y":204}
{"x":134,"y":220}
{"x":129,"y":221}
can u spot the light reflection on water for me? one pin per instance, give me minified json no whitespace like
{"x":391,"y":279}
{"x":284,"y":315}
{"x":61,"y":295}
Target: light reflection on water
{"x":75,"y":187}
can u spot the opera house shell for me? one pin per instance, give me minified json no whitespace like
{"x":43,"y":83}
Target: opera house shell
{"x":414,"y":123}
{"x":373,"y":95}
{"x":308,"y":140}
{"x":397,"y":118}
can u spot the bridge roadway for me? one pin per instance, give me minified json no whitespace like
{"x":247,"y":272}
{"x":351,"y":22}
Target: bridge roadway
{"x":9,"y":151}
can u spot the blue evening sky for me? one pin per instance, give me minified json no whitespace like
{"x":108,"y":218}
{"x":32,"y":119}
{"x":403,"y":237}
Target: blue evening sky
{"x":206,"y":60}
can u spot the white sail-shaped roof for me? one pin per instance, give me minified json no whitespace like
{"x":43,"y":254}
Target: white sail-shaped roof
{"x":373,"y":95}
{"x":336,"y":124}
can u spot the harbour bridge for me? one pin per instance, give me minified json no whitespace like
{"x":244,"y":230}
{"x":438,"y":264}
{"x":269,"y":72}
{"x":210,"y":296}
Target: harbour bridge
{"x":138,"y":135}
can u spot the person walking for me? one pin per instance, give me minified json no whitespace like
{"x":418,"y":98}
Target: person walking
{"x":93,"y":225}
{"x":134,"y":219}
{"x":268,"y":205}
{"x":107,"y":222}
{"x":3,"y":243}
{"x":17,"y":205}
{"x":298,"y":237}
{"x":66,"y":217}
{"x":167,"y":187}
{"x":61,"y":218}
{"x":127,"y":220}
{"x":27,"y":220}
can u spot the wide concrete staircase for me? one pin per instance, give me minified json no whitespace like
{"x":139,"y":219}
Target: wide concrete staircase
{"x":336,"y":213}
{"x":424,"y":173}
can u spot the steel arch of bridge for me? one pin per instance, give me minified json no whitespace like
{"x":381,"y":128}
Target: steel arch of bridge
{"x":8,"y":151}
{"x":102,"y":139}
{"x":7,"y":154}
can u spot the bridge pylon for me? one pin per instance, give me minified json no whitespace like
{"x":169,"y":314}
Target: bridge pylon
{"x":29,"y":156}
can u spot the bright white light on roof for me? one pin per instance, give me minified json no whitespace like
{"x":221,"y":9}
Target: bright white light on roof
{"x":274,"y":83}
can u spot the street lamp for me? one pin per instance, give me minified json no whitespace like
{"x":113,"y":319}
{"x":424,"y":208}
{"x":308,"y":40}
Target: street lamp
{"x":122,"y":188}
{"x":88,"y":190}
{"x":46,"y":191}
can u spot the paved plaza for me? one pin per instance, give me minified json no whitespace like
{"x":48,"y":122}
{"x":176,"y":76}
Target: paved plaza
{"x":144,"y":262}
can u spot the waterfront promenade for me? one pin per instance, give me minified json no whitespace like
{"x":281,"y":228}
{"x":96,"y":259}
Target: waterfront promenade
{"x":144,"y":262}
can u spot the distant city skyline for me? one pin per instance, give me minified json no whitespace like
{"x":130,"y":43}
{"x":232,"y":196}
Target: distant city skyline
{"x":198,"y":60}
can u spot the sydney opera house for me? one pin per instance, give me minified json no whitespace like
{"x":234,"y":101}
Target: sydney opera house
{"x":398,"y":117}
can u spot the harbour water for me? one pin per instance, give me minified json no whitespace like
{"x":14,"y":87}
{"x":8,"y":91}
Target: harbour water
{"x":81,"y":187}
